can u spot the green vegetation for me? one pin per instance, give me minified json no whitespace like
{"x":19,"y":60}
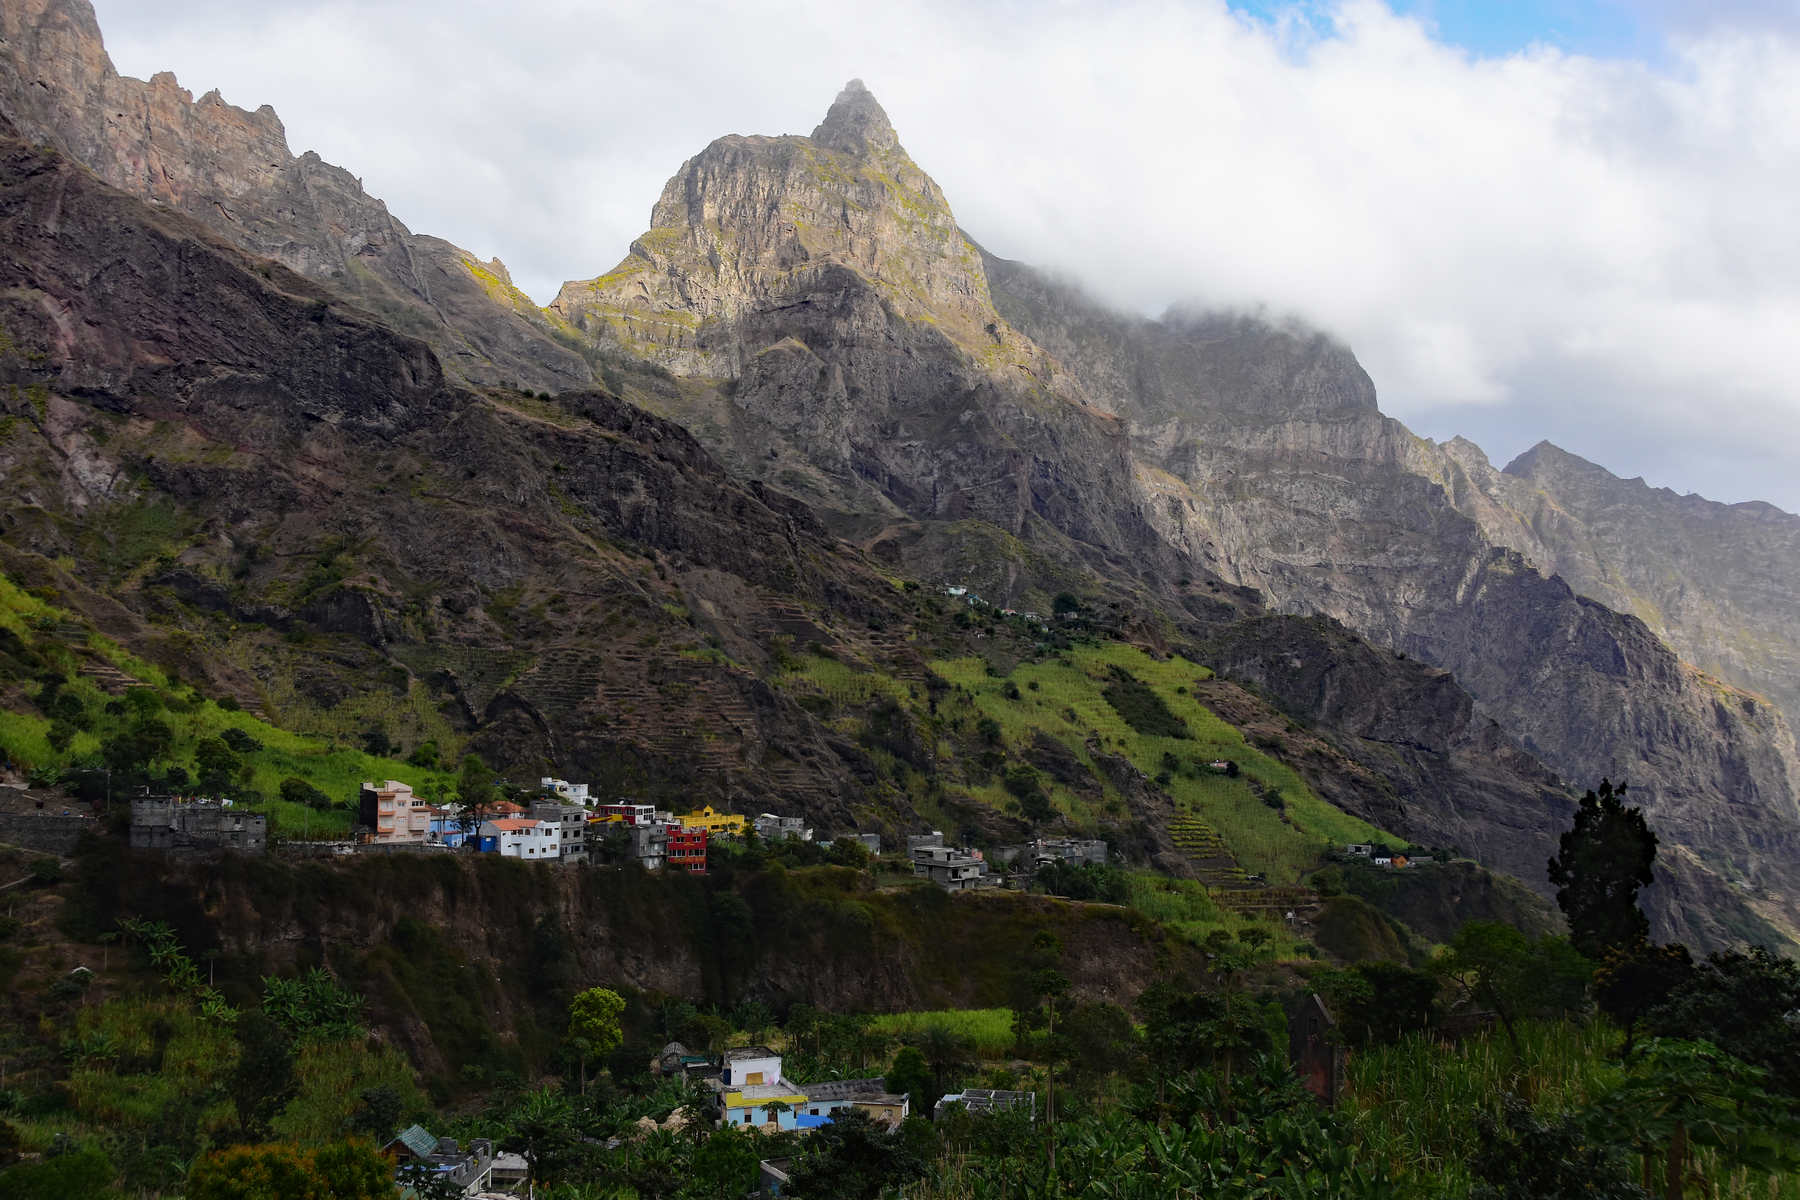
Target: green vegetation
{"x":987,"y":1031}
{"x":1114,"y":700}
{"x":68,"y":723}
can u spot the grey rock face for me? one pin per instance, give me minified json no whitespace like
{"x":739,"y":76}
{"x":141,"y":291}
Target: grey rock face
{"x":1720,"y":583}
{"x":231,"y":170}
{"x":856,"y":124}
{"x":1288,"y":479}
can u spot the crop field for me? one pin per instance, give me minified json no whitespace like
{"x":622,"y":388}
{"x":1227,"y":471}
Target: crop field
{"x":988,"y":1030}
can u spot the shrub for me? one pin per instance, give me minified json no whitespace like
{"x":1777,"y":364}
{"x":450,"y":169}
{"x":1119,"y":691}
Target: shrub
{"x":298,"y":791}
{"x":241,"y":742}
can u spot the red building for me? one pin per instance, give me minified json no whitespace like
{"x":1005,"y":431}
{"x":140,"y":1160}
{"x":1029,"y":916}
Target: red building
{"x":687,"y":849}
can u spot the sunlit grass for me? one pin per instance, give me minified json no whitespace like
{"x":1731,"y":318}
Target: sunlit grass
{"x":1063,"y":698}
{"x":989,"y":1031}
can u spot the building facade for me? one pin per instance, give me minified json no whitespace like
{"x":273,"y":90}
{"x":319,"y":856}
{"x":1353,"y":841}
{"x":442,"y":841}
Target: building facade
{"x":521,"y":837}
{"x":773,"y":828}
{"x":750,"y":1082}
{"x":572,"y":820}
{"x":951,"y":869}
{"x":715,"y":822}
{"x":562,"y":789}
{"x":686,"y":849}
{"x":389,"y":812}
{"x":197,"y":825}
{"x":630,"y":814}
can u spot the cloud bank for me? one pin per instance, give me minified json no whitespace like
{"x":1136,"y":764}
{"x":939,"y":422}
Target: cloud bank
{"x":1601,"y":252}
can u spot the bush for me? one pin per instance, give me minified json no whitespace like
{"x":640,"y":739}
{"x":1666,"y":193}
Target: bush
{"x":228,"y":704}
{"x":46,"y":871}
{"x":298,"y":791}
{"x":241,"y":742}
{"x":84,"y":1173}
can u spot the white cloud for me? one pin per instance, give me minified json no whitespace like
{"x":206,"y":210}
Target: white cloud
{"x":1484,"y":231}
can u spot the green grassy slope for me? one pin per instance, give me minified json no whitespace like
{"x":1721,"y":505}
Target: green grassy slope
{"x":1118,"y":700}
{"x":104,"y":690}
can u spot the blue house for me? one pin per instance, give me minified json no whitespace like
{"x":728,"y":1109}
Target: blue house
{"x":447,"y":831}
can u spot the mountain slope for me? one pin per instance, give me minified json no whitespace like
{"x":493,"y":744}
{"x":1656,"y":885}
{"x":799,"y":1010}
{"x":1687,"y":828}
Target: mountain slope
{"x":1718,"y":582}
{"x":808,"y":308}
{"x":231,"y":170}
{"x":1275,"y":466}
{"x":272,"y":495}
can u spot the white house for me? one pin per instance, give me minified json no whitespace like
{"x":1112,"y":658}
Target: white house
{"x":522,"y":837}
{"x":562,"y":789}
{"x":573,"y":820}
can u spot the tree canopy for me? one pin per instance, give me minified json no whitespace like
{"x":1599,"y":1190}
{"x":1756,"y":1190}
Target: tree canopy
{"x":1600,"y":865}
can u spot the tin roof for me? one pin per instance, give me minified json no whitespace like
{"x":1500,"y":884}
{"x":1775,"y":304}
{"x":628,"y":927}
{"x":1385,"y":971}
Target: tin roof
{"x":415,"y":1139}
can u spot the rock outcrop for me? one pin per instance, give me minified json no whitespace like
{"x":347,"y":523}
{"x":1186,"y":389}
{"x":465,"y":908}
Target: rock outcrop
{"x":830,"y":316}
{"x":231,"y":170}
{"x":1718,"y":582}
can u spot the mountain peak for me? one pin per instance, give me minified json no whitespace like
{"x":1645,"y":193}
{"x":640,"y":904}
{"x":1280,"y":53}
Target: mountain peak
{"x":856,"y":123}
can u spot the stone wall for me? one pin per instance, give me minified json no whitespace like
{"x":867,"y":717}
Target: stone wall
{"x":51,"y":833}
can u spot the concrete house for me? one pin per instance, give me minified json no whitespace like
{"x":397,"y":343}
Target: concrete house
{"x":470,"y":1170}
{"x":749,"y":1082}
{"x":196,"y":826}
{"x":773,"y":828}
{"x":650,"y":845}
{"x":978,"y":1100}
{"x":391,"y":814}
{"x":1031,"y":855}
{"x":522,"y":837}
{"x":629,"y":814}
{"x":825,"y":1100}
{"x":572,"y":819}
{"x":686,"y":848}
{"x":951,"y":869}
{"x":562,"y":789}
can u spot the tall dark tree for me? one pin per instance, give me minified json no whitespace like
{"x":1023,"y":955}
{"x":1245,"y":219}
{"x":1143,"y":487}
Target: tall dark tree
{"x":1602,"y":863}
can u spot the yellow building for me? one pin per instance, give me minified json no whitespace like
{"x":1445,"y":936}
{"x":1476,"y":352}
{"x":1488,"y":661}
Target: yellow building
{"x":714,"y":822}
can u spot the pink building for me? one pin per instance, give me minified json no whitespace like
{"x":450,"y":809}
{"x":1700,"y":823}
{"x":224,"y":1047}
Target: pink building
{"x":393,"y":813}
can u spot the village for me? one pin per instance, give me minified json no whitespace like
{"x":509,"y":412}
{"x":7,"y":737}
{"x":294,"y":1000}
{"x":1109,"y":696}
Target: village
{"x":564,"y":824}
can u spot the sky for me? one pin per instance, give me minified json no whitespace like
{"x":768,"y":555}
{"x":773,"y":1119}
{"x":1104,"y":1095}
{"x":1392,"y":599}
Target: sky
{"x":1570,"y":220}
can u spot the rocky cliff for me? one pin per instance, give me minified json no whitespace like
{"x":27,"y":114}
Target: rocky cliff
{"x":1271,"y":463}
{"x":836,"y":334}
{"x":814,"y":276}
{"x":1717,"y":582}
{"x":231,"y":170}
